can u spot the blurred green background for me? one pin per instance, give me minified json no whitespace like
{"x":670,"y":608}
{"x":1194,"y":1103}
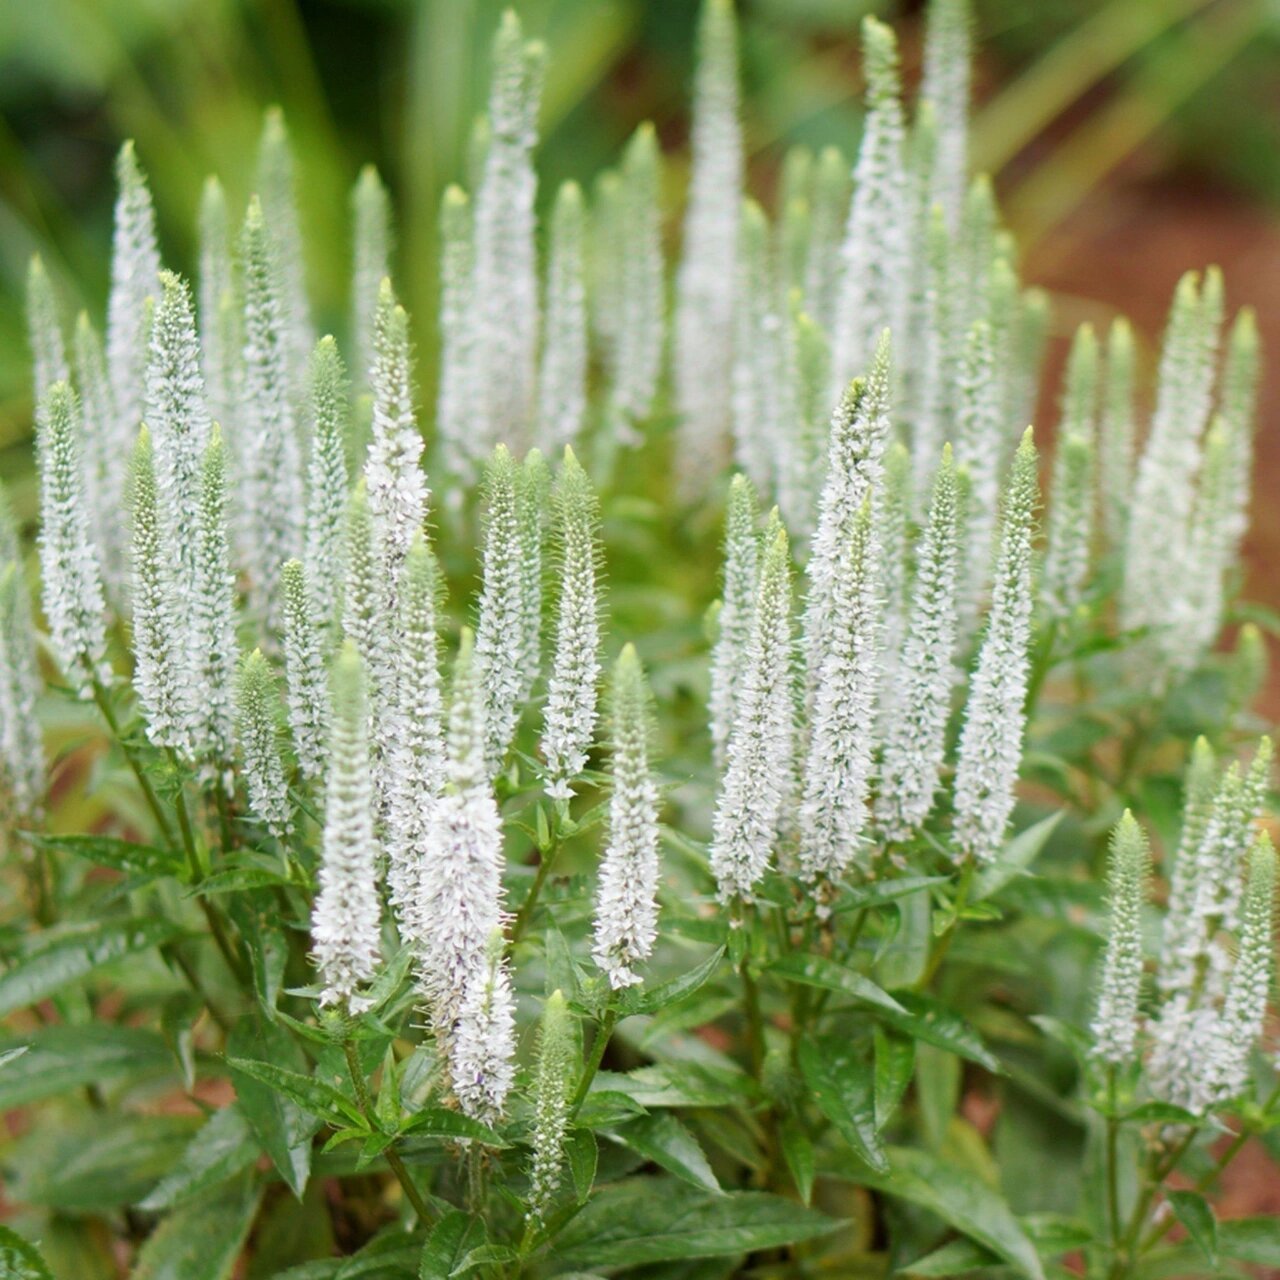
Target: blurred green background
{"x":1075,"y":98}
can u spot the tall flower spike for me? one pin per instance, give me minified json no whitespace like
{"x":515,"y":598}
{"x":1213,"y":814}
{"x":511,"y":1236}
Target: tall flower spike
{"x":274,"y":181}
{"x":872,"y":294}
{"x":484,"y":1046}
{"x":328,"y":486}
{"x":641,"y":303}
{"x":570,"y":716}
{"x":271,"y":477}
{"x":69,"y":572}
{"x":505,"y":290}
{"x":759,"y":780}
{"x":213,"y":613}
{"x":1238,"y":410}
{"x":1030,"y":340}
{"x":827,"y":215}
{"x":1115,"y":1022}
{"x":855,"y":449}
{"x":837,"y":771}
{"x":991,"y":740}
{"x":216,"y":304}
{"x":737,"y":604}
{"x":935,"y":391}
{"x":562,"y":378}
{"x":135,"y":276}
{"x":44,"y":330}
{"x":306,"y":680}
{"x":371,"y":262}
{"x":533,"y":486}
{"x":1116,"y":432}
{"x":703,"y":350}
{"x":101,"y":463}
{"x":605,"y":261}
{"x":915,"y":733}
{"x":1066,"y":563}
{"x":417,"y":736}
{"x":397,"y":485}
{"x":503,"y":611}
{"x":946,"y":87}
{"x":458,"y":401}
{"x":258,"y":732}
{"x":553,"y":1082}
{"x":890,"y":516}
{"x":459,"y":899}
{"x":345,"y":920}
{"x":807,"y":360}
{"x":980,"y":450}
{"x":626,"y":922}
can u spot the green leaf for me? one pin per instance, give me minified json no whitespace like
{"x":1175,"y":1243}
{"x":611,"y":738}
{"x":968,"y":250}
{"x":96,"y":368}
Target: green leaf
{"x":895,"y":1061}
{"x":1160,"y":1113}
{"x":20,"y":1260}
{"x":1194,"y":1213}
{"x":222,"y":1149}
{"x":57,"y":1059}
{"x":882,"y":891}
{"x":486,"y":1255}
{"x":1014,"y":858}
{"x":683,"y":1084}
{"x":928,"y":1020}
{"x":312,"y":1095}
{"x":818,"y":971}
{"x":582,"y":1155}
{"x":439,"y":1122}
{"x":65,"y":956}
{"x":12,"y":1055}
{"x":643,"y":1220}
{"x":955,"y":1258}
{"x":842,"y":1086}
{"x":202,"y":1240}
{"x":635,"y":1000}
{"x":391,"y":1254}
{"x":961,"y":1199}
{"x":1255,"y":1240}
{"x":797,"y":1151}
{"x":604,"y":1108}
{"x":661,"y":1138}
{"x":283,"y":1129}
{"x":119,"y":855}
{"x":449,"y":1242}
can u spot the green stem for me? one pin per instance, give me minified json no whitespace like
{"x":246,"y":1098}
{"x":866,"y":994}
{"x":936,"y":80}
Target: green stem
{"x":1113,"y":1171}
{"x":365,"y":1103}
{"x":603,"y":1034}
{"x":148,"y":791}
{"x":545,"y":858}
{"x":944,"y":943}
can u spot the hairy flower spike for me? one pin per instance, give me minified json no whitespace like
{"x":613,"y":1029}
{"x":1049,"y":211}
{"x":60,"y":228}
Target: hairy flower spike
{"x":553,"y":1082}
{"x":327,"y":483}
{"x":828,"y":213}
{"x":626,"y":904}
{"x":1116,"y":432}
{"x":533,"y":485}
{"x":737,"y":604}
{"x":837,"y":771}
{"x":703,"y":349}
{"x":44,"y":330}
{"x":991,"y":740}
{"x":1066,"y":565}
{"x":1115,"y":1023}
{"x":258,"y":731}
{"x":808,"y":372}
{"x":371,"y":241}
{"x":458,"y":401}
{"x":69,"y":572}
{"x":345,"y":920}
{"x":1238,"y":410}
{"x":570,"y":716}
{"x":562,"y":379}
{"x":218,"y":307}
{"x":946,"y":88}
{"x":504,"y":295}
{"x":482,"y":1062}
{"x":759,"y":781}
{"x":872,"y":294}
{"x":102,"y":485}
{"x":890,"y":515}
{"x":306,"y":680}
{"x":980,"y":450}
{"x":916,"y":730}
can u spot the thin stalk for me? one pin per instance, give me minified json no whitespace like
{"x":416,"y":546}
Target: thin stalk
{"x":1113,"y":1173}
{"x":545,"y":858}
{"x":603,"y":1034}
{"x":148,"y":791}
{"x":944,"y":943}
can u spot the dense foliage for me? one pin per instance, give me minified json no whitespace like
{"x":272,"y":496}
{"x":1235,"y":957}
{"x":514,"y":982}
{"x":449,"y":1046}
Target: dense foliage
{"x":473,"y":900}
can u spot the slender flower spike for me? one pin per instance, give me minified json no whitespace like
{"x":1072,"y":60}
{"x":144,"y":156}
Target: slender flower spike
{"x":22,"y":768}
{"x":1066,"y":564}
{"x":570,"y":717}
{"x":837,"y":771}
{"x":397,"y":485}
{"x":562,"y":379}
{"x":217,"y":301}
{"x":327,"y":487}
{"x":213,"y":613}
{"x":1116,"y":433}
{"x":626,"y":905}
{"x":703,"y":350}
{"x":737,"y":604}
{"x":946,"y":87}
{"x":915,"y":733}
{"x":345,"y":920}
{"x":44,"y":330}
{"x":889,"y":517}
{"x":553,"y":1083}
{"x":371,"y":262}
{"x":1238,"y":410}
{"x":484,"y":1047}
{"x":271,"y":479}
{"x":458,"y":401}
{"x":503,"y":610}
{"x":759,"y":781}
{"x":259,"y":736}
{"x":135,"y":277}
{"x":872,"y":293}
{"x":980,"y":450}
{"x":1115,"y":1024}
{"x":69,"y":572}
{"x":827,"y":214}
{"x":102,"y":484}
{"x":991,"y":740}
{"x":504,"y":294}
{"x":533,"y":485}
{"x":306,"y":680}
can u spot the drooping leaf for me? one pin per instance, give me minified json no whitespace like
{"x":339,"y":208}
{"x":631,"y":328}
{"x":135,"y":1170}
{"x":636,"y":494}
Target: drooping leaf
{"x":57,"y":1059}
{"x":928,"y":1020}
{"x":1014,"y":858}
{"x":797,"y":1151}
{"x":120,"y":855}
{"x":651,"y":1000}
{"x":452,"y":1237}
{"x":661,"y":1138}
{"x":895,"y":1061}
{"x":223,"y":1148}
{"x":309,"y":1093}
{"x":439,"y":1122}
{"x":1194,"y":1212}
{"x":842,"y":1085}
{"x":203,"y":1239}
{"x":819,"y":971}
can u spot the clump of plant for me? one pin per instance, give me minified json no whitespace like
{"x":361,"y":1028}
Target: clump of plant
{"x":464,"y":898}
